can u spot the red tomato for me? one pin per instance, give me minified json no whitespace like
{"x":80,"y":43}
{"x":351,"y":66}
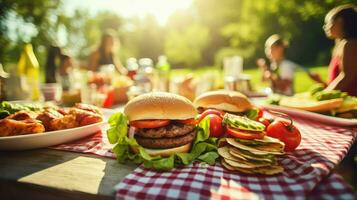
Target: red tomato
{"x":188,"y":121}
{"x":216,"y":128}
{"x":210,"y":111}
{"x":260,"y":113}
{"x":265,"y":121}
{"x":155,"y":123}
{"x":242,"y":134}
{"x":285,"y":132}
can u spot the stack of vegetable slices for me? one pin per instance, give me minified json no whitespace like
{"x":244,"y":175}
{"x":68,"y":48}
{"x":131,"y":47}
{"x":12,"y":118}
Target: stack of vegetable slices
{"x":256,"y":156}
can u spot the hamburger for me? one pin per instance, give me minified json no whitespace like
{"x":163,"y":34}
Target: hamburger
{"x":236,"y":112}
{"x":228,"y":101}
{"x":162,"y":123}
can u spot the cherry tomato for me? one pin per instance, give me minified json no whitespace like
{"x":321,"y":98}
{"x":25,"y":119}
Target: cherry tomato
{"x":216,"y":128}
{"x":243,"y":134}
{"x":285,"y":132}
{"x":155,"y":123}
{"x":260,"y":113}
{"x":265,"y":121}
{"x":188,"y":121}
{"x":210,"y":111}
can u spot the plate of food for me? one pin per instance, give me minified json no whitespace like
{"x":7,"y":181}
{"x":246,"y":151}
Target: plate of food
{"x":29,"y":126}
{"x":330,"y":107}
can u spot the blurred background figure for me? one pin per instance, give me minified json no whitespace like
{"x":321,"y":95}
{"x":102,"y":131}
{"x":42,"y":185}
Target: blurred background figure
{"x":281,"y":71}
{"x":52,"y":63}
{"x":341,"y":25}
{"x":65,"y":68}
{"x":105,"y":53}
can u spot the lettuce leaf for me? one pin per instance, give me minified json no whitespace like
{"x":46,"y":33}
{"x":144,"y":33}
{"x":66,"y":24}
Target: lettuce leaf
{"x":7,"y":108}
{"x":204,"y":148}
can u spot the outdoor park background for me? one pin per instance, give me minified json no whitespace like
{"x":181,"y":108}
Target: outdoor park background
{"x":193,"y":34}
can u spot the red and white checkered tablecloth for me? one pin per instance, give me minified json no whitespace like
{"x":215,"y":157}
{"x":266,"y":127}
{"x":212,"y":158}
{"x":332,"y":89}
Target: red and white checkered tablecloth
{"x":307,"y":172}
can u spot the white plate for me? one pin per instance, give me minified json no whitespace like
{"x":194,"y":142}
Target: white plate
{"x":46,"y":139}
{"x":311,"y":115}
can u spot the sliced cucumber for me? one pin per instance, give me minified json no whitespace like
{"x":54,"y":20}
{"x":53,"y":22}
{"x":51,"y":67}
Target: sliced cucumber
{"x":242,"y":123}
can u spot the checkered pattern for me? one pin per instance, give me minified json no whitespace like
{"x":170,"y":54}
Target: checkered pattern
{"x":306,"y":172}
{"x":321,"y":149}
{"x":95,"y":144}
{"x":332,"y":187}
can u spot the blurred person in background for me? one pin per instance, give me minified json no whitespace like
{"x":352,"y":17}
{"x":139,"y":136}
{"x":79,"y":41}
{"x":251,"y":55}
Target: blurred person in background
{"x":52,"y":63}
{"x":105,"y":53}
{"x":281,"y":71}
{"x":65,"y":68}
{"x":341,"y":25}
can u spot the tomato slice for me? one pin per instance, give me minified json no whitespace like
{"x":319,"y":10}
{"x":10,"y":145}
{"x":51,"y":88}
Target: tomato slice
{"x":210,"y":111}
{"x":191,"y":121}
{"x":242,"y":134}
{"x":155,"y":123}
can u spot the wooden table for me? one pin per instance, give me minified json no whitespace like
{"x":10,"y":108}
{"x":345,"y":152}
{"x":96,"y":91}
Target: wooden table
{"x":52,"y":174}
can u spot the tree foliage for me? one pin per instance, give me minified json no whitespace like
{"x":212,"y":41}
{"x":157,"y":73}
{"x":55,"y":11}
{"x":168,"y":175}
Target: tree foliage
{"x":201,"y":35}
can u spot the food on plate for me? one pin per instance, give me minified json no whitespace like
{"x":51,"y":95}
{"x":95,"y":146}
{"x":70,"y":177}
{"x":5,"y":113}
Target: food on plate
{"x":305,"y":103}
{"x":251,"y":156}
{"x":26,"y":119}
{"x":7,"y":108}
{"x":333,"y":103}
{"x":20,"y":123}
{"x":159,"y":129}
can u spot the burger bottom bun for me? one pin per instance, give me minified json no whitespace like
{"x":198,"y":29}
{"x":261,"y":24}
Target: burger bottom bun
{"x":165,"y":152}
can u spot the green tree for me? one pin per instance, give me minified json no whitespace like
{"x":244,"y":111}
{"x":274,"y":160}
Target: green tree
{"x":184,"y":47}
{"x":41,"y":13}
{"x":299,"y":21}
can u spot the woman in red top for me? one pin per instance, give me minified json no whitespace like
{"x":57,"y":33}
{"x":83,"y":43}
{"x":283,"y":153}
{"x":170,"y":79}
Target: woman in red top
{"x":341,"y":25}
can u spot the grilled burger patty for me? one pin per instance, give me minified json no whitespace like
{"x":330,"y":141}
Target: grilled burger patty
{"x":169,"y":131}
{"x":166,"y":142}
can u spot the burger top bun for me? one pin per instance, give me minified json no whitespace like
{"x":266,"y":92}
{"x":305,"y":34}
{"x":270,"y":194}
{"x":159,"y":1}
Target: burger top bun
{"x":159,"y":105}
{"x":230,"y":101}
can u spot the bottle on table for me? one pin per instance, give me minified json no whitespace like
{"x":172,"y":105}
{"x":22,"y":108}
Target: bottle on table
{"x":163,"y":74}
{"x":143,"y":79}
{"x":145,"y":74}
{"x":132,"y":66}
{"x":28,"y":69}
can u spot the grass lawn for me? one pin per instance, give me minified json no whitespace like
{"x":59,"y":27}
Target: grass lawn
{"x":302,"y":80}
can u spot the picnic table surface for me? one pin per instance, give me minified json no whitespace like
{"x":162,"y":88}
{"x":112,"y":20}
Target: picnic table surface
{"x":53,"y":174}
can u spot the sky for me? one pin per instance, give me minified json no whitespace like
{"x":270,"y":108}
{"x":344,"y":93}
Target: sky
{"x":160,"y":9}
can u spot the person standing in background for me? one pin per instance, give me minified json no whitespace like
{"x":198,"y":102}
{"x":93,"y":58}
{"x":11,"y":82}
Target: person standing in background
{"x":341,"y":25}
{"x":281,"y":71}
{"x":105,"y":53}
{"x":52,"y":63}
{"x":65,"y":68}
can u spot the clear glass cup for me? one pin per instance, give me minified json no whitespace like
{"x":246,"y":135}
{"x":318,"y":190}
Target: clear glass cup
{"x":51,"y":91}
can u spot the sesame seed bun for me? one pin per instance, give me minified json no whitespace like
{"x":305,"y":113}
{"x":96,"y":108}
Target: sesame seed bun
{"x":159,"y":105}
